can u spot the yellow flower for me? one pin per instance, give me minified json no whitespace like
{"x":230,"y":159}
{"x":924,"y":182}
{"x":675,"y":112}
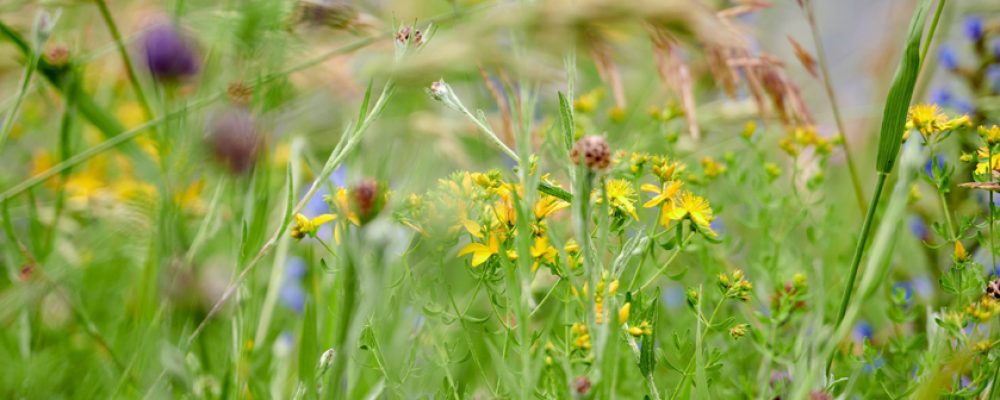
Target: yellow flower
{"x":692,"y":207}
{"x":340,"y":198}
{"x":305,"y":226}
{"x":481,"y":252}
{"x":547,"y":205}
{"x":470,"y":226}
{"x":666,"y":194}
{"x":929,"y":120}
{"x":541,"y":251}
{"x":926,"y":119}
{"x":621,"y":197}
{"x":991,"y":135}
{"x":712,"y":167}
{"x":588,"y":102}
{"x":983,"y":166}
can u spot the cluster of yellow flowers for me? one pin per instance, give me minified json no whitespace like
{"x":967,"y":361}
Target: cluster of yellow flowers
{"x":494,"y":223}
{"x":983,"y":310}
{"x":987,"y":162}
{"x":803,"y":137}
{"x":930,"y":121}
{"x":581,"y":336}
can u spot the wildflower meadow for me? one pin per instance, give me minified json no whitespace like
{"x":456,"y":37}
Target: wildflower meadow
{"x":514,"y":199}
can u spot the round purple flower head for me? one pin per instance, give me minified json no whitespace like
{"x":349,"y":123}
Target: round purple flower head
{"x":169,"y":55}
{"x":234,"y":139}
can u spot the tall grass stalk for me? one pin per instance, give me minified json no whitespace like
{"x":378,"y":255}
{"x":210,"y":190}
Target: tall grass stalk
{"x":852,"y":169}
{"x":879,"y":263}
{"x":893,"y":126}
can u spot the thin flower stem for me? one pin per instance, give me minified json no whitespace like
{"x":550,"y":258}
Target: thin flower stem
{"x":133,"y":78}
{"x":930,"y":34}
{"x":828,"y":85}
{"x":708,"y":327}
{"x":29,"y":69}
{"x":669,"y":261}
{"x":952,"y":231}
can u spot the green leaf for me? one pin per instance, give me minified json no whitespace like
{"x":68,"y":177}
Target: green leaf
{"x":308,"y":350}
{"x":566,"y":117}
{"x":647,"y":353}
{"x":898,"y":102}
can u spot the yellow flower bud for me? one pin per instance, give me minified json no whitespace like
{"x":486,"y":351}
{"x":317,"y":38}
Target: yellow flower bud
{"x":960,"y":254}
{"x":635,"y":331}
{"x":623,"y":313}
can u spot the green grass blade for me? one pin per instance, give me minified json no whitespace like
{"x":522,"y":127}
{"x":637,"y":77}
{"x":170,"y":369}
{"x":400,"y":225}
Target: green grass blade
{"x":898,"y":102}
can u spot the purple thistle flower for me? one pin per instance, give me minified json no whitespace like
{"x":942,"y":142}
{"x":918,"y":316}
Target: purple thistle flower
{"x":949,"y":60}
{"x":973,"y":27}
{"x":169,"y":55}
{"x":234,"y":139}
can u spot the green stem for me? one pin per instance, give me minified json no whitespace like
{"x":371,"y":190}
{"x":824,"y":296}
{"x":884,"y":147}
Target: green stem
{"x":680,"y":246}
{"x":708,"y":327}
{"x":930,"y":34}
{"x":129,"y":68}
{"x":993,"y":245}
{"x":828,"y":85}
{"x":859,"y":251}
{"x":952,"y":231}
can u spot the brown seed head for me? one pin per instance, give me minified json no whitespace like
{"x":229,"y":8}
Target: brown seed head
{"x":594,"y":151}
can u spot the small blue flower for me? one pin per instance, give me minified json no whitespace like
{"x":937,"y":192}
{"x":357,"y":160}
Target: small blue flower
{"x":292,"y":296}
{"x":906,"y":287}
{"x":863,"y":330}
{"x":941,"y":96}
{"x":993,"y":75}
{"x":919,"y":228}
{"x":963,"y":106}
{"x":973,"y":27}
{"x":929,"y":166}
{"x":875,"y":364}
{"x":717,"y":226}
{"x":949,"y":60}
{"x":295,"y":269}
